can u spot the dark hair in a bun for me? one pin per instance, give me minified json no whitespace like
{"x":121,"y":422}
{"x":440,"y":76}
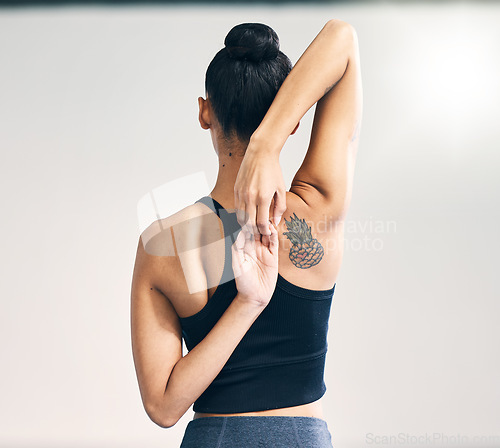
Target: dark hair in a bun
{"x":252,"y":42}
{"x":244,"y":77}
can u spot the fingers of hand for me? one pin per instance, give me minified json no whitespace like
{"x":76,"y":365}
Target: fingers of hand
{"x":249,"y":248}
{"x":279,"y":206}
{"x":251,"y":210}
{"x":265,"y":239}
{"x":239,"y":255}
{"x":270,"y":242}
{"x":263,"y":218}
{"x":273,"y":239}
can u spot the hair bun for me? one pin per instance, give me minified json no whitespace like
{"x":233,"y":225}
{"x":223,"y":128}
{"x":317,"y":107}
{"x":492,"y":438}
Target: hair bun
{"x":252,"y":42}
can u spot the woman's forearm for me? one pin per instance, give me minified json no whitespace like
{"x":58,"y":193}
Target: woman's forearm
{"x":194,"y":372}
{"x":319,"y":68}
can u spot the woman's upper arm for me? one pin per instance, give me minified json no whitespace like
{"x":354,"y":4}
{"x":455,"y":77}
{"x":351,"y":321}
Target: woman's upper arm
{"x":156,"y":334}
{"x":327,"y":171}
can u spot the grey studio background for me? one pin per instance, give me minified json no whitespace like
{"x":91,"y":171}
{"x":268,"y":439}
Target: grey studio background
{"x":98,"y":106}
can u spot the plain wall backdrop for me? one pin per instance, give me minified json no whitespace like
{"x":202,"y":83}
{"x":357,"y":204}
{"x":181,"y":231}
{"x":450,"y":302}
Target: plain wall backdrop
{"x":98,"y":106}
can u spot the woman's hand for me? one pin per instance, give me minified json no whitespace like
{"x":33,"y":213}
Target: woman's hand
{"x":259,"y":183}
{"x":255,"y":265}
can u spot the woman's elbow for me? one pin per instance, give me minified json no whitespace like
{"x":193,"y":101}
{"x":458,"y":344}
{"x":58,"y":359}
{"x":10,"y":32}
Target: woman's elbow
{"x":162,"y":419}
{"x":337,"y":24}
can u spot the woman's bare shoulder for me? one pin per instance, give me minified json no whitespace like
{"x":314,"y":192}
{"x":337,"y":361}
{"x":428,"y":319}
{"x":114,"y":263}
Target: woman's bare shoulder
{"x":177,"y":232}
{"x":174,"y":249}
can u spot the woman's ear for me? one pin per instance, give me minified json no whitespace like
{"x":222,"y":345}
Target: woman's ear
{"x":295,"y":130}
{"x":204,"y":113}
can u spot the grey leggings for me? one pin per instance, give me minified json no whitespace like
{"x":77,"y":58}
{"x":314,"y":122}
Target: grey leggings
{"x":257,"y":432}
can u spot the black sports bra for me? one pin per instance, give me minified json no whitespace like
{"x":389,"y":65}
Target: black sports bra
{"x":280,"y":361}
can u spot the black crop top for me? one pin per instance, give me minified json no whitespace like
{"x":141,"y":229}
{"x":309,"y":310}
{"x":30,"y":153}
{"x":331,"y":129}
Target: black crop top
{"x":281,"y":359}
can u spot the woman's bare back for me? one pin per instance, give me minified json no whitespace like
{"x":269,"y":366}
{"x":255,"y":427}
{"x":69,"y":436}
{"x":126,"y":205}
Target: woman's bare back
{"x":191,"y":248}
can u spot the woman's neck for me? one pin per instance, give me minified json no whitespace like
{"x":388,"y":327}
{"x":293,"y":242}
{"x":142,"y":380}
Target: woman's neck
{"x":230,"y":152}
{"x":223,"y":191}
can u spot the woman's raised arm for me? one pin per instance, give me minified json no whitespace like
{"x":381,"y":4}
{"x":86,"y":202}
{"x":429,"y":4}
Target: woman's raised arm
{"x":328,"y":73}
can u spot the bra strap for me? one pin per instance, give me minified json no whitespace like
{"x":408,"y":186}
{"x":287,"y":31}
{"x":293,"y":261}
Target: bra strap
{"x":230,"y":227}
{"x":212,"y":204}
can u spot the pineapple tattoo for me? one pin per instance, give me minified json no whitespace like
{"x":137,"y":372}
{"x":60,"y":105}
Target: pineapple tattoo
{"x":306,"y":251}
